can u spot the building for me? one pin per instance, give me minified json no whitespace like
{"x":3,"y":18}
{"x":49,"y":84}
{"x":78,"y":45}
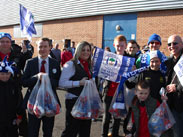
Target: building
{"x":96,"y":21}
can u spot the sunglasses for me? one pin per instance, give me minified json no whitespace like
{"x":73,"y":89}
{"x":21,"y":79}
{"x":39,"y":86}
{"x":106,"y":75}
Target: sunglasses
{"x":174,"y":43}
{"x":155,"y":42}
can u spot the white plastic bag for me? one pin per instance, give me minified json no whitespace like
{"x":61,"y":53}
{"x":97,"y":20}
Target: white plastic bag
{"x":45,"y":103}
{"x":88,"y":104}
{"x":32,"y":98}
{"x":161,"y":120}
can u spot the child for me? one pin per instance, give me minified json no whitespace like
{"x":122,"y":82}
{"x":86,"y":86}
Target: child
{"x":120,"y":44}
{"x":152,"y":75}
{"x":143,"y":106}
{"x":10,"y":101}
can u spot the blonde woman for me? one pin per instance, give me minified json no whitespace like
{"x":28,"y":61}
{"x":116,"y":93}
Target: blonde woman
{"x":74,"y":75}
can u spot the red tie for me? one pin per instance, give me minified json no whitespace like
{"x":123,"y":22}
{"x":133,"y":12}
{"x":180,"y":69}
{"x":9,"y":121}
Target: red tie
{"x":42,"y":66}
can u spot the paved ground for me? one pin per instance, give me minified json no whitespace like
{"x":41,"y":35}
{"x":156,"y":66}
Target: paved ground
{"x":60,"y":120}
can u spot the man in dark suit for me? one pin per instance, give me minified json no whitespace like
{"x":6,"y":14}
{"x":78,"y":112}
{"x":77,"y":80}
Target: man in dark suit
{"x":33,"y":71}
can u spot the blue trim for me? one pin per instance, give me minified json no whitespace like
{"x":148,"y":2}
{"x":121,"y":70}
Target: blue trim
{"x":98,"y":62}
{"x":124,"y":63}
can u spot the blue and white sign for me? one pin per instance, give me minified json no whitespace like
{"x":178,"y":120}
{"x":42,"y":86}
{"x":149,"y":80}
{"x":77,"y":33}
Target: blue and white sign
{"x":110,"y":66}
{"x":179,"y":69}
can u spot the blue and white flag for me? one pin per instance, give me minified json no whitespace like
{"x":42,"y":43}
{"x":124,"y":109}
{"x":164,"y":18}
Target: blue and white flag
{"x":119,"y":103}
{"x":110,"y":66}
{"x":27,"y":22}
{"x":117,"y":107}
{"x":135,"y":72}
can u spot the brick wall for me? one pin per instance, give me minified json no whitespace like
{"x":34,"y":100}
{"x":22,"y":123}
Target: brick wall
{"x":77,"y":29}
{"x":164,"y":23}
{"x":7,"y":29}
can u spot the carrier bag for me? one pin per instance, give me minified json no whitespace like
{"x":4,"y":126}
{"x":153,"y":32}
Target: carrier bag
{"x":117,"y":107}
{"x":88,"y":104}
{"x":161,"y":120}
{"x":32,"y":98}
{"x":42,"y":101}
{"x":46,"y":103}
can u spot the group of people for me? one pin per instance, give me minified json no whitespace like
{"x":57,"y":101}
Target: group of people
{"x":142,"y":91}
{"x":19,"y":69}
{"x":62,"y":56}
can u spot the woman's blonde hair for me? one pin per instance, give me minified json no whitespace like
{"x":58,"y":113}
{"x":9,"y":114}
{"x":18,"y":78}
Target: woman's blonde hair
{"x":78,"y":51}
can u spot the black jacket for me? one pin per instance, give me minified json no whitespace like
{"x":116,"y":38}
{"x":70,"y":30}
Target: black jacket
{"x":79,"y":74}
{"x":10,"y":102}
{"x":30,"y":77}
{"x":175,"y":99}
{"x":18,"y":57}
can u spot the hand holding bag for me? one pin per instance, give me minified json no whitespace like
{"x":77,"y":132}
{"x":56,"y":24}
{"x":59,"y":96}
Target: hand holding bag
{"x":88,"y":104}
{"x":45,"y":102}
{"x":161,"y":120}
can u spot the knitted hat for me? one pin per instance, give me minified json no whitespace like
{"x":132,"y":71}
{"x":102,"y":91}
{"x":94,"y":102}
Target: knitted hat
{"x":155,"y":53}
{"x":6,"y":66}
{"x":154,"y":37}
{"x":3,"y":34}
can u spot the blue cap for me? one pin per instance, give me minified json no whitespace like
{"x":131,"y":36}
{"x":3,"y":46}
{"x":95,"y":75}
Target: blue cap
{"x":6,"y":66}
{"x":154,"y":37}
{"x":3,"y":34}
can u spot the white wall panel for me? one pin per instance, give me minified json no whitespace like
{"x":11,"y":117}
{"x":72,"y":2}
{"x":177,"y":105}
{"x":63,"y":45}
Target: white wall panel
{"x":44,"y":10}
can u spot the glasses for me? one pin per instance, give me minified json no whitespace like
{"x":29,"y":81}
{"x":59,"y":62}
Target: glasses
{"x":174,"y":43}
{"x":155,"y":42}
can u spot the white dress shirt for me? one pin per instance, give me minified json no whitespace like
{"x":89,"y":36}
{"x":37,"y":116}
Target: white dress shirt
{"x":46,"y":65}
{"x":65,"y":82}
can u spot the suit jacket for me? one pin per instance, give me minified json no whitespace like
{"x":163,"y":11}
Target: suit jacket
{"x":30,"y":77}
